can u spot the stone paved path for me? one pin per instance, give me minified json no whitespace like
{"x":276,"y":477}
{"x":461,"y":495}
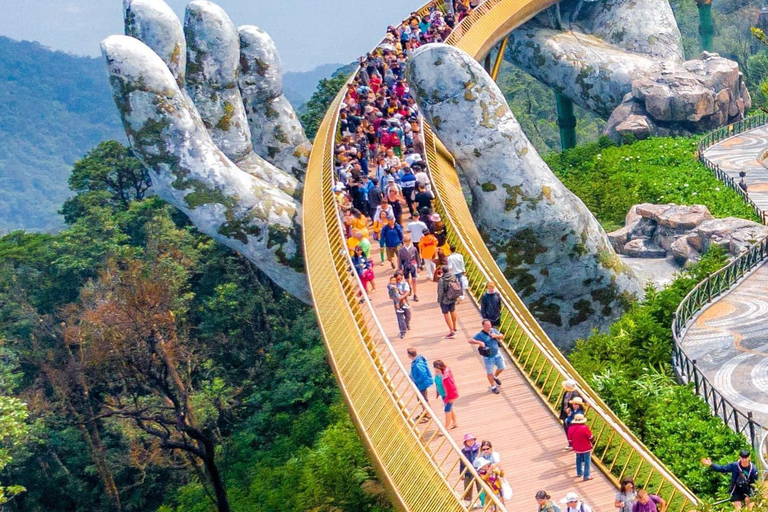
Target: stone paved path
{"x":729,"y":340}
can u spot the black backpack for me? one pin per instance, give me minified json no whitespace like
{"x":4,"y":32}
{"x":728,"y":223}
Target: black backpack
{"x":742,"y":480}
{"x":453,"y":292}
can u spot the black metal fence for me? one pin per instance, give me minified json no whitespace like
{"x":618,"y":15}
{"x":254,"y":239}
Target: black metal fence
{"x":712,"y":287}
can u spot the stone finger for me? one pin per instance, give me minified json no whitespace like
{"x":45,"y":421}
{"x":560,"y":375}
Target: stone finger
{"x":546,"y":241}
{"x":191,"y":173}
{"x":276,"y":133}
{"x":212,"y":59}
{"x":155,"y":24}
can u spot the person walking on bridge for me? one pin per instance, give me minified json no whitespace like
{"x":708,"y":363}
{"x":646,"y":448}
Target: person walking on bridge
{"x":545,"y":502}
{"x":488,"y":346}
{"x":569,"y":393}
{"x":648,"y":502}
{"x":574,"y":504}
{"x":446,"y":389}
{"x":420,"y":375}
{"x":392,"y":235}
{"x":457,"y":268}
{"x":743,"y":478}
{"x":581,"y":440}
{"x":448,"y":292}
{"x":490,"y":304}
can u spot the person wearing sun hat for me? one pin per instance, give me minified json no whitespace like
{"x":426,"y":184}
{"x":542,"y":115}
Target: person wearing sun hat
{"x":470,"y":450}
{"x":577,"y":406}
{"x":581,"y":440}
{"x":569,"y":393}
{"x":574,"y":504}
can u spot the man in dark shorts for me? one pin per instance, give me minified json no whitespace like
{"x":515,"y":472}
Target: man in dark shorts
{"x":743,"y":478}
{"x":408,"y":255}
{"x":447,"y":300}
{"x":421,"y":375}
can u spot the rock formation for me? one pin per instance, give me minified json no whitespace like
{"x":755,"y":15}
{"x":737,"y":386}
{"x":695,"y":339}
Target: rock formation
{"x":550,"y":247}
{"x":684,"y":232}
{"x":603,"y":58}
{"x":189,"y":128}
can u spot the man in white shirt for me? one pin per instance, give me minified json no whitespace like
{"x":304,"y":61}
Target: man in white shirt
{"x":417,"y":228}
{"x":573,"y":504}
{"x":456,"y":265}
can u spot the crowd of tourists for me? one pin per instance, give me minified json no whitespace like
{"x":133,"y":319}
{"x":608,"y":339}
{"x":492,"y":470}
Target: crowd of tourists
{"x":385,"y":197}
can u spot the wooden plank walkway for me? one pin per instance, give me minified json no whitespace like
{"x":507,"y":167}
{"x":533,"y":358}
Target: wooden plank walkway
{"x":528,"y":437}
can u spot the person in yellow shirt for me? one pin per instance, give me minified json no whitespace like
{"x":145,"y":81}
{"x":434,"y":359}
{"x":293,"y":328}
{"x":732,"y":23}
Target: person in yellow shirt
{"x":359,"y":222}
{"x":379,"y":223}
{"x":428,"y":248}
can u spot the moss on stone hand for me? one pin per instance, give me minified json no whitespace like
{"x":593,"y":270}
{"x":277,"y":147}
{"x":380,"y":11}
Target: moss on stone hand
{"x":225,"y":123}
{"x":488,"y":186}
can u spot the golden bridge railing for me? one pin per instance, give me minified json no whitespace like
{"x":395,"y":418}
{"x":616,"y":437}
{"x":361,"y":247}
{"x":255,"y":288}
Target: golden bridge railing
{"x":617,"y":451}
{"x":414,"y":454}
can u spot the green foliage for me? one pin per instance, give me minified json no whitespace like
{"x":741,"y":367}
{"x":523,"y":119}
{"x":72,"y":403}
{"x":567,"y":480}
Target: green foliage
{"x":316,"y":107}
{"x":629,"y":366}
{"x":13,"y":429}
{"x":53,"y":108}
{"x":610,"y":179}
{"x":286,"y":440}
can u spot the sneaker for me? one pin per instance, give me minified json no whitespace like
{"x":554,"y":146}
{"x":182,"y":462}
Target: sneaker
{"x":408,"y":327}
{"x":399,"y":311}
{"x":406,"y":306}
{"x":415,"y":298}
{"x":498,"y":382}
{"x":461,"y":298}
{"x":451,"y":335}
{"x":402,"y":335}
{"x":494,"y":389}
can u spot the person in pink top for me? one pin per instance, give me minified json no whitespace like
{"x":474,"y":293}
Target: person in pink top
{"x":446,"y":389}
{"x":581,"y":440}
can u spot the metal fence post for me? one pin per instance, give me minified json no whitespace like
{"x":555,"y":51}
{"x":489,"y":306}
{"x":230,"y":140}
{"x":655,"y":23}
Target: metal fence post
{"x":696,"y":378}
{"x":752,"y":432}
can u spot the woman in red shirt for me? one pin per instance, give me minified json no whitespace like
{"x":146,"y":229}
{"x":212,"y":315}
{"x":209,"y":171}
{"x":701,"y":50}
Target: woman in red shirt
{"x":581,"y":440}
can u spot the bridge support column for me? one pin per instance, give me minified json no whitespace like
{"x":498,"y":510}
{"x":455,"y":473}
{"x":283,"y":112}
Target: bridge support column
{"x":706,"y":25}
{"x":566,"y":121}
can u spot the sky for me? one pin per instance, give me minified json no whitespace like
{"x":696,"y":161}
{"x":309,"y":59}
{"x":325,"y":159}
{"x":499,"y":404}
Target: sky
{"x":308,"y":33}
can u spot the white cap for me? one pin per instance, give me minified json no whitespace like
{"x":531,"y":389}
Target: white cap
{"x":480,"y":462}
{"x":571,"y":496}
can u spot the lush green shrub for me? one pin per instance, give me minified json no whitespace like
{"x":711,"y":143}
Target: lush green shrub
{"x":610,"y":179}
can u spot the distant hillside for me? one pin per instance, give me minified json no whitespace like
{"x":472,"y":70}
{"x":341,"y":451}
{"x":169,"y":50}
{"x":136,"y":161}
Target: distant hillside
{"x":53,"y":108}
{"x":299,"y":87}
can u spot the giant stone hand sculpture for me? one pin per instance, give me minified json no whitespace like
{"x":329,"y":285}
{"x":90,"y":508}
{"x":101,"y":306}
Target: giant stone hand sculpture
{"x":624,"y":59}
{"x":186,"y":96}
{"x":549,"y":245}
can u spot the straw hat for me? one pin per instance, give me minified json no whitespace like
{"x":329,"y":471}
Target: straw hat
{"x":569,"y":385}
{"x":578,"y":419}
{"x":577,"y":400}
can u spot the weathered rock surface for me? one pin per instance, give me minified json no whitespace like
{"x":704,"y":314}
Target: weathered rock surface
{"x":623,"y":60}
{"x":276,"y":131}
{"x":196,"y":148}
{"x":548,"y":244}
{"x":643,"y":248}
{"x":684,"y":232}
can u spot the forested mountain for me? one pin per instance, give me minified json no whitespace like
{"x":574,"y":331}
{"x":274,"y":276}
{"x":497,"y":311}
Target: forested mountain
{"x":300,"y":86}
{"x":54,"y":107}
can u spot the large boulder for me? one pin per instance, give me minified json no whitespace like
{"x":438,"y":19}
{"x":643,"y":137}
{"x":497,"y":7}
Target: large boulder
{"x":684,"y":232}
{"x":549,"y":245}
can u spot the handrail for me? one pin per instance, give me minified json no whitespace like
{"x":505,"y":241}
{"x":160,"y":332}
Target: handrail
{"x":715,"y":285}
{"x":374,"y":382}
{"x":617,"y":451}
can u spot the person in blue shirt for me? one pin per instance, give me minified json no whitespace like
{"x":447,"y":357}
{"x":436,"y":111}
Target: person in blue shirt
{"x":408,"y":183}
{"x":743,"y":478}
{"x":392,"y":234}
{"x":489,"y":338}
{"x":421,"y":375}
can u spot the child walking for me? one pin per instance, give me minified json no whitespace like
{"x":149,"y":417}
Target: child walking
{"x":446,"y":389}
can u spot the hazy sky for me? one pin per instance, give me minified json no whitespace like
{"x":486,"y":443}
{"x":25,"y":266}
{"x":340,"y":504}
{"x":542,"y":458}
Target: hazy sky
{"x":307,"y":32}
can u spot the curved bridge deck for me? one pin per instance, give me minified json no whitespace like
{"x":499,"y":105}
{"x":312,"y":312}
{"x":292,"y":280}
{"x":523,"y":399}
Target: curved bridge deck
{"x":417,"y":461}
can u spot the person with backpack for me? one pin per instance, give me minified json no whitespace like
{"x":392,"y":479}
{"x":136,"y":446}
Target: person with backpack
{"x":457,"y":268}
{"x":545,"y":502}
{"x":408,"y":183}
{"x":574,"y":504}
{"x":408,"y":255}
{"x":581,"y":439}
{"x":448,"y":292}
{"x":743,"y":478}
{"x":488,"y":346}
